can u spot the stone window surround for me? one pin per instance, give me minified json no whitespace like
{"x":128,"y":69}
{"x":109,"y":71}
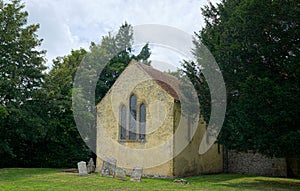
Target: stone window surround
{"x":127,"y":106}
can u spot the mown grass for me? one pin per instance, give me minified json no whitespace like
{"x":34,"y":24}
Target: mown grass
{"x":52,"y":179}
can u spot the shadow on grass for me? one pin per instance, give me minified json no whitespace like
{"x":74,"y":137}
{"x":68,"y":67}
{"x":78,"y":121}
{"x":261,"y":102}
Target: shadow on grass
{"x":216,"y":178}
{"x":22,"y":173}
{"x":261,"y":183}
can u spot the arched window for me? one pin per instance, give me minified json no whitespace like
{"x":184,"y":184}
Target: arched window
{"x":142,"y":122}
{"x":132,"y":118}
{"x":123,"y":123}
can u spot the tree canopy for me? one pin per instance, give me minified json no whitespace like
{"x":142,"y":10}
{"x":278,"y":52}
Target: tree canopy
{"x":256,"y":44}
{"x":21,"y":79}
{"x":37,"y":127}
{"x":98,"y":71}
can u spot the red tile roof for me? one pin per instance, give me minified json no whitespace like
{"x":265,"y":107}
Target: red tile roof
{"x":169,"y":83}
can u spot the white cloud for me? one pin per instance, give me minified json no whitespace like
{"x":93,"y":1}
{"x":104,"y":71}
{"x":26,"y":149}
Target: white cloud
{"x":71,"y":24}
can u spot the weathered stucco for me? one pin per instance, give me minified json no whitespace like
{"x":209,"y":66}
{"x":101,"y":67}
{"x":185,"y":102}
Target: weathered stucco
{"x":159,"y":120}
{"x":189,"y":161}
{"x":162,"y":119}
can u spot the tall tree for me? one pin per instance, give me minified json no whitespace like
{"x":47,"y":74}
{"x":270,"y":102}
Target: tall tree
{"x":99,"y":70}
{"x":119,"y":49}
{"x":256,"y":44}
{"x":62,"y":145}
{"x":111,"y":56}
{"x":21,"y":77}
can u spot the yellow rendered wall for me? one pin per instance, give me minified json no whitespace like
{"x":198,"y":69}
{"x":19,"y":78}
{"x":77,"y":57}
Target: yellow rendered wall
{"x":159,"y":124}
{"x":189,"y":161}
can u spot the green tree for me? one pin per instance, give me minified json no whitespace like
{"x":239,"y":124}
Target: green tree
{"x":3,"y":114}
{"x":119,"y":49}
{"x":62,"y":145}
{"x":144,"y":55}
{"x":111,"y":56}
{"x":256,"y":44}
{"x":21,"y":77}
{"x":3,"y":145}
{"x":101,"y":67}
{"x":21,"y":64}
{"x":195,"y":75}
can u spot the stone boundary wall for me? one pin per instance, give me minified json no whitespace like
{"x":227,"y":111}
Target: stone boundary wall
{"x":256,"y":164}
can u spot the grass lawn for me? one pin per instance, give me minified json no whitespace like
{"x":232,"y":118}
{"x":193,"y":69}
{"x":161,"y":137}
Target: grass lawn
{"x":53,"y":179}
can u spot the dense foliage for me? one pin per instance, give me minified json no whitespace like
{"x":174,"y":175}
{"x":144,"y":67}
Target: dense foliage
{"x":256,"y":44}
{"x":21,"y":79}
{"x":37,"y":127}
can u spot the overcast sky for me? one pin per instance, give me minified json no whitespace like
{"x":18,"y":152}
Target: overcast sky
{"x":71,"y":24}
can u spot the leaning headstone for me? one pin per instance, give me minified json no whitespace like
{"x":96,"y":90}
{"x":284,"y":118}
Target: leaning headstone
{"x":82,"y":170}
{"x":108,"y":167}
{"x":105,"y":168}
{"x":113,"y":165}
{"x":136,"y":174}
{"x":120,"y":173}
{"x":90,"y":166}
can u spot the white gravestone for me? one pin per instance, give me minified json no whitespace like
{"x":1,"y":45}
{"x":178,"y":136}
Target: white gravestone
{"x":82,"y":168}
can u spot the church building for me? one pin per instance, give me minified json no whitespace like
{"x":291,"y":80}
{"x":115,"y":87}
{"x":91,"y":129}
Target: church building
{"x":141,"y":122}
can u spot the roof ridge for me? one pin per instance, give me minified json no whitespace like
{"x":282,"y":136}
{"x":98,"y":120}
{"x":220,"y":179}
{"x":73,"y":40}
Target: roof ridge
{"x":156,"y":70}
{"x":166,"y":81}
